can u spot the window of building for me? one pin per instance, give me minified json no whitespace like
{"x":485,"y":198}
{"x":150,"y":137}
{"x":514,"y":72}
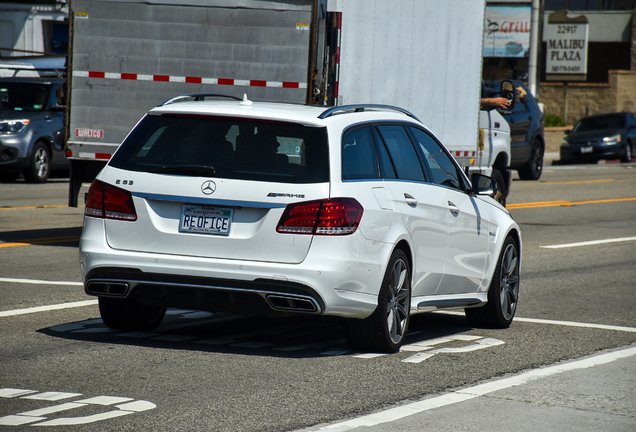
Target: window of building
{"x":554,"y":5}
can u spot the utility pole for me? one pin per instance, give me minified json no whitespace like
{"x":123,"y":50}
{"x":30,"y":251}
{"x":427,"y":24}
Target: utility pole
{"x":533,"y":55}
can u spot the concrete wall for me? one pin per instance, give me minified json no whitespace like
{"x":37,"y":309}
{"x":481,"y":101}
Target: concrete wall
{"x":576,"y":100}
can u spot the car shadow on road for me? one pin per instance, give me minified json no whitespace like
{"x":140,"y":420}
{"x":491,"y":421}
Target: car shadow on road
{"x":285,"y":337}
{"x":68,"y":237}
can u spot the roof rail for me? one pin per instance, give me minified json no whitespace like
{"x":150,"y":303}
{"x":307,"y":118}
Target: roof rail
{"x":198,"y":97}
{"x":360,"y":108}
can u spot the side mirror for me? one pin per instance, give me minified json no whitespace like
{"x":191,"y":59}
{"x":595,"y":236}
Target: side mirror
{"x":567,"y":131}
{"x":483,"y":185}
{"x":508,"y":91}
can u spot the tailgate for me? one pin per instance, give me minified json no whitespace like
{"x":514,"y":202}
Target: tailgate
{"x":222,"y":227}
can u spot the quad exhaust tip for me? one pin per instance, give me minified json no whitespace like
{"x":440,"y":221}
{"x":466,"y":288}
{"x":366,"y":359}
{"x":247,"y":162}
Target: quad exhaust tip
{"x":292,"y":304}
{"x":115,"y":289}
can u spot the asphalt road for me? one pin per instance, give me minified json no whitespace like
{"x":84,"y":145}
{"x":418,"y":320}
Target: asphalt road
{"x":200,"y":371}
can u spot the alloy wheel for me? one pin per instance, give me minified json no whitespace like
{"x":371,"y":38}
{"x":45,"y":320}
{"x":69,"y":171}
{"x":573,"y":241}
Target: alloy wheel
{"x":509,"y":283}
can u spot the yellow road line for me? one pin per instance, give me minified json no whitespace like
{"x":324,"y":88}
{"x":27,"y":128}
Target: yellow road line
{"x":49,"y":240}
{"x":577,"y":181}
{"x":564,"y":203}
{"x":32,"y":207}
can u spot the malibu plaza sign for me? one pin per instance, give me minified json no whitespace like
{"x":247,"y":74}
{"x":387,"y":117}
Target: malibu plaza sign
{"x":566,"y":47}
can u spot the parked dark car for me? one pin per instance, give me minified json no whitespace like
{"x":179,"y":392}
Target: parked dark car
{"x":526,"y":132}
{"x":603,"y":136}
{"x":31,"y":128}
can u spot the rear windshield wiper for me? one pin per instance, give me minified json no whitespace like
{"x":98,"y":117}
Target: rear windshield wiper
{"x":188,"y":170}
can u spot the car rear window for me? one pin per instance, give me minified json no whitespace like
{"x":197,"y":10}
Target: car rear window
{"x":233,"y":148}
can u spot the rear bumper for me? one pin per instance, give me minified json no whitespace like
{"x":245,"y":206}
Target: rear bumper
{"x":334,"y":279}
{"x":599,"y":152}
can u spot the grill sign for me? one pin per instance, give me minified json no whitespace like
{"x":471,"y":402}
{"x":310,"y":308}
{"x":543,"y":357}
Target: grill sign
{"x":89,"y":133}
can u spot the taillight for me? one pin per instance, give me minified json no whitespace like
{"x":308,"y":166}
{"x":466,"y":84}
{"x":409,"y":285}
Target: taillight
{"x":338,"y":216}
{"x":110,"y":202}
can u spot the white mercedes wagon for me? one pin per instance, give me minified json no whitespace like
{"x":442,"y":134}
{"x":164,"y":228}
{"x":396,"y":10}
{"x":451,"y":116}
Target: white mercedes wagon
{"x":248,"y":207}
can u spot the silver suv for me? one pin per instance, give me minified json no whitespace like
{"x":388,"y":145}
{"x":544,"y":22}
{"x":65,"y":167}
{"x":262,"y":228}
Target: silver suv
{"x":31,"y":129}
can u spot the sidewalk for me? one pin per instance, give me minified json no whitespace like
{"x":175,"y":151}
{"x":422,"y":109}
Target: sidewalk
{"x":595,"y":393}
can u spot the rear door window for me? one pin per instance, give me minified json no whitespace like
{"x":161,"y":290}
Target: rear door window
{"x":230,"y":148}
{"x":403,"y":155}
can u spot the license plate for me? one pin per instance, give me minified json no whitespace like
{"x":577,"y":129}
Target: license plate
{"x":205,"y":220}
{"x":589,"y":149}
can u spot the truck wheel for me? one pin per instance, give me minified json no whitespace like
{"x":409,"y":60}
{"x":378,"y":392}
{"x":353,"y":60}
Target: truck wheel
{"x":533,"y":168}
{"x":40,"y":165}
{"x":130,"y":314}
{"x":385,"y":329}
{"x":503,"y":294}
{"x":628,"y":152}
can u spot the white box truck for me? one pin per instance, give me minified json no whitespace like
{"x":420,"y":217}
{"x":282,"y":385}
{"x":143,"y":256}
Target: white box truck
{"x":126,"y":56}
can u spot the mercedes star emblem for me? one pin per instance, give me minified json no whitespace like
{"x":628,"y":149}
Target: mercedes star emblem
{"x":208,"y":187}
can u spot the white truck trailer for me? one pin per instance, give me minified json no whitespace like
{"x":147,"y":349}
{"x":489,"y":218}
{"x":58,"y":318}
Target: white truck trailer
{"x":126,"y":56}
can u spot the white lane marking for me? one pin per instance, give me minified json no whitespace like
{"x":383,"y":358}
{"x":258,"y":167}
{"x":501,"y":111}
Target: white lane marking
{"x":137,"y":406}
{"x":124,"y":406}
{"x":25,"y":311}
{"x":479,"y":344}
{"x":105,"y":400}
{"x":10,"y":392}
{"x":52,"y":396}
{"x":50,"y":410}
{"x":555,"y":322}
{"x":476,"y":391}
{"x":40,"y":282}
{"x":590,"y":243}
{"x":17,"y":420}
{"x":84,"y":420}
{"x":577,"y":324}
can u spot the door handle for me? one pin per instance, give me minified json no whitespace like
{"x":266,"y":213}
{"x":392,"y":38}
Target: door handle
{"x":453,"y":208}
{"x":410,"y":200}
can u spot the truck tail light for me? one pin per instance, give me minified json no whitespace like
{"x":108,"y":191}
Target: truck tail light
{"x":337,"y":216}
{"x":109,"y":202}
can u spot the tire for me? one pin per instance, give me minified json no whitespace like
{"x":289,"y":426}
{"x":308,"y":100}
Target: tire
{"x":502,"y":193}
{"x":130,"y":314}
{"x":503,"y":294}
{"x":534,"y":167}
{"x":385,"y":330}
{"x":627,"y":157}
{"x":40,"y":166}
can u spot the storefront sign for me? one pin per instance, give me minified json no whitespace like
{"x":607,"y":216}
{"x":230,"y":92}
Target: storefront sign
{"x":566,"y":47}
{"x":507,"y":31}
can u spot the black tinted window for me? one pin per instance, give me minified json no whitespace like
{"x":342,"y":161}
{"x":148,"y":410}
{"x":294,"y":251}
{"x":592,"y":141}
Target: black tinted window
{"x":402,"y":152}
{"x":359,"y":160}
{"x":600,"y":123}
{"x":228,"y":148}
{"x":440,"y":163}
{"x":17,"y":96}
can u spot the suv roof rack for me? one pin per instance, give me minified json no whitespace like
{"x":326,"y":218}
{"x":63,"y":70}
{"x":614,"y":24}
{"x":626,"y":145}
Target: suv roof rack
{"x":360,"y":108}
{"x":198,"y":97}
